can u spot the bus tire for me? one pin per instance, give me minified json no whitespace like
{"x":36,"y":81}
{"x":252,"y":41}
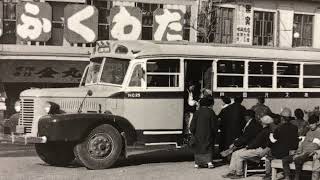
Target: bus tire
{"x":101,"y":148}
{"x":56,"y":153}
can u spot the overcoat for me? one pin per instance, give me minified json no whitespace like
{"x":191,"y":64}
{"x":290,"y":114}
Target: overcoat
{"x":231,"y":124}
{"x":204,"y":127}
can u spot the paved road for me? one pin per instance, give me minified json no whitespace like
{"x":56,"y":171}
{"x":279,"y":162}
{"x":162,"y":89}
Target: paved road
{"x":21,"y":163}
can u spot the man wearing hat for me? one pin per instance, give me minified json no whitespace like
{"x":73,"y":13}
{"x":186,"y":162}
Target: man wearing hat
{"x":310,"y":144}
{"x":285,"y":138}
{"x":257,"y":148}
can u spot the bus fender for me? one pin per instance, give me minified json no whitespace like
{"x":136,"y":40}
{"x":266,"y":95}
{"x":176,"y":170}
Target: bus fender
{"x":76,"y":127}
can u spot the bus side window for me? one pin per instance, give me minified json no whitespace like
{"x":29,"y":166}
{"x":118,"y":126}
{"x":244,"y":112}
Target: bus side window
{"x":230,"y":73}
{"x":288,"y":75}
{"x":136,"y":78}
{"x":311,"y":76}
{"x":163,"y":73}
{"x":260,"y":74}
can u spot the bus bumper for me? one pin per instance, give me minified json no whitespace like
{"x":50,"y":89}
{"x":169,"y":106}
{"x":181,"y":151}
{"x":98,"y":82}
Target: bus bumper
{"x":21,"y":139}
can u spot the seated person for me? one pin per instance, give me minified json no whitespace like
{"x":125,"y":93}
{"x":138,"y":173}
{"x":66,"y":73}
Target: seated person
{"x":250,"y":130}
{"x":306,"y":150}
{"x":257,"y":148}
{"x":284,"y":140}
{"x":301,"y":124}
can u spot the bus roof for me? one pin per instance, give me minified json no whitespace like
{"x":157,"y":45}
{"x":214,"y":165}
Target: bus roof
{"x":146,"y":49}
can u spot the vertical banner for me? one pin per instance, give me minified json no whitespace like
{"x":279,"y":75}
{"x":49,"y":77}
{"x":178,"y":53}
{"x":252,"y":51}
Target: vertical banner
{"x":244,"y":22}
{"x":168,"y":24}
{"x":126,"y":23}
{"x":1,"y":18}
{"x":81,"y":23}
{"x":34,"y":21}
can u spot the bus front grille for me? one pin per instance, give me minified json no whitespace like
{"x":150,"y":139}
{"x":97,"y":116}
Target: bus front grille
{"x":26,"y":114}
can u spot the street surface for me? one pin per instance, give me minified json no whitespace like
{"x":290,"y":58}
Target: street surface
{"x":21,"y":163}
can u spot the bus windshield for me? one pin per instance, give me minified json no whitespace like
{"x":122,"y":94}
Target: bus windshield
{"x":114,"y":70}
{"x":93,"y":70}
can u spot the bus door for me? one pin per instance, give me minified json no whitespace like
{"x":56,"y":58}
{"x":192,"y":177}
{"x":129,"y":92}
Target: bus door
{"x":155,"y":105}
{"x":200,"y":73}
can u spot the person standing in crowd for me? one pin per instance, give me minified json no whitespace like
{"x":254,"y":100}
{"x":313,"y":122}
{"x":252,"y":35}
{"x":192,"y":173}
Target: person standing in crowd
{"x":301,"y":124}
{"x":190,"y":104}
{"x":232,"y":123}
{"x":260,"y":108}
{"x":285,"y":139}
{"x":306,"y":150}
{"x":203,"y":128}
{"x":222,"y":118}
{"x":257,"y":148}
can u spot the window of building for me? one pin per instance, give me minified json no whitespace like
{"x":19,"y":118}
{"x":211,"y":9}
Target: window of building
{"x":187,"y":24}
{"x":163,"y":73}
{"x":230,"y":73}
{"x":147,"y":18}
{"x":260,"y":74}
{"x":288,"y":75}
{"x":57,"y":23}
{"x":104,"y":8}
{"x":263,"y":28}
{"x":9,"y":22}
{"x":311,"y":76}
{"x":222,"y":19}
{"x":302,"y":30}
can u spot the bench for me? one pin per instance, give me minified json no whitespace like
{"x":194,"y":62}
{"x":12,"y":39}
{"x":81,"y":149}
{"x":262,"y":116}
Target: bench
{"x":277,"y":164}
{"x":257,"y":169}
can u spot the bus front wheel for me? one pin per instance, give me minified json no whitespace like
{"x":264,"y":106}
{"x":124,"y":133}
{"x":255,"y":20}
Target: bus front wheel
{"x":101,"y":149}
{"x":55,"y":153}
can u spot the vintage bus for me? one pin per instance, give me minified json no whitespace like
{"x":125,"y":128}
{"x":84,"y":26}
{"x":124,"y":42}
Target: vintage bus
{"x":131,"y":96}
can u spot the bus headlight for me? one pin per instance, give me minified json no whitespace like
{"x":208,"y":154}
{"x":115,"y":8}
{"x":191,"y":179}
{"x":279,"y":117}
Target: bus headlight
{"x":51,"y":108}
{"x":17,"y":106}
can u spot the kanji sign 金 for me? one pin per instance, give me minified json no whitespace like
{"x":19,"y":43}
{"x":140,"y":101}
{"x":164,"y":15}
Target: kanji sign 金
{"x":34,"y":21}
{"x":81,"y":23}
{"x":167,"y":25}
{"x":44,"y":71}
{"x":126,"y":23}
{"x":1,"y":18}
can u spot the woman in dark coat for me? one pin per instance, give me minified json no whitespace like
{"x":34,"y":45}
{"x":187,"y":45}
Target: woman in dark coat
{"x":203,"y":127}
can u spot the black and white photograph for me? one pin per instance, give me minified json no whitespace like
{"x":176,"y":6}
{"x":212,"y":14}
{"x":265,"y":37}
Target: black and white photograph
{"x":159,"y":89}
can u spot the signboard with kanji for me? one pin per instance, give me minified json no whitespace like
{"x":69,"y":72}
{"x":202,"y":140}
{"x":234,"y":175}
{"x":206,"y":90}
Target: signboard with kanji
{"x":1,"y":18}
{"x":34,"y":21}
{"x":81,"y":23}
{"x":244,"y":23}
{"x":126,"y":23}
{"x":42,"y":71}
{"x":168,"y":25}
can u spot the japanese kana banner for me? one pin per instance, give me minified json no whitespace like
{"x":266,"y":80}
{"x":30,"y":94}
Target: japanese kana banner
{"x":34,"y":23}
{"x":168,"y":25}
{"x":1,"y":18}
{"x":42,"y":71}
{"x":81,"y":23}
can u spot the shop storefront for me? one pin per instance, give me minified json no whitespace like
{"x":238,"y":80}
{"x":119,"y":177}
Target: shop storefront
{"x":24,"y":67}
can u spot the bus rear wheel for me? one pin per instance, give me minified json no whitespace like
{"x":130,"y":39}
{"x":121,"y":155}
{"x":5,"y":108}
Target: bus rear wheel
{"x":101,"y":149}
{"x":56,"y":153}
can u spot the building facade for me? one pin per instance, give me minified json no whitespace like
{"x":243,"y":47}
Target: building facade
{"x":41,"y":44}
{"x":284,"y":23}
